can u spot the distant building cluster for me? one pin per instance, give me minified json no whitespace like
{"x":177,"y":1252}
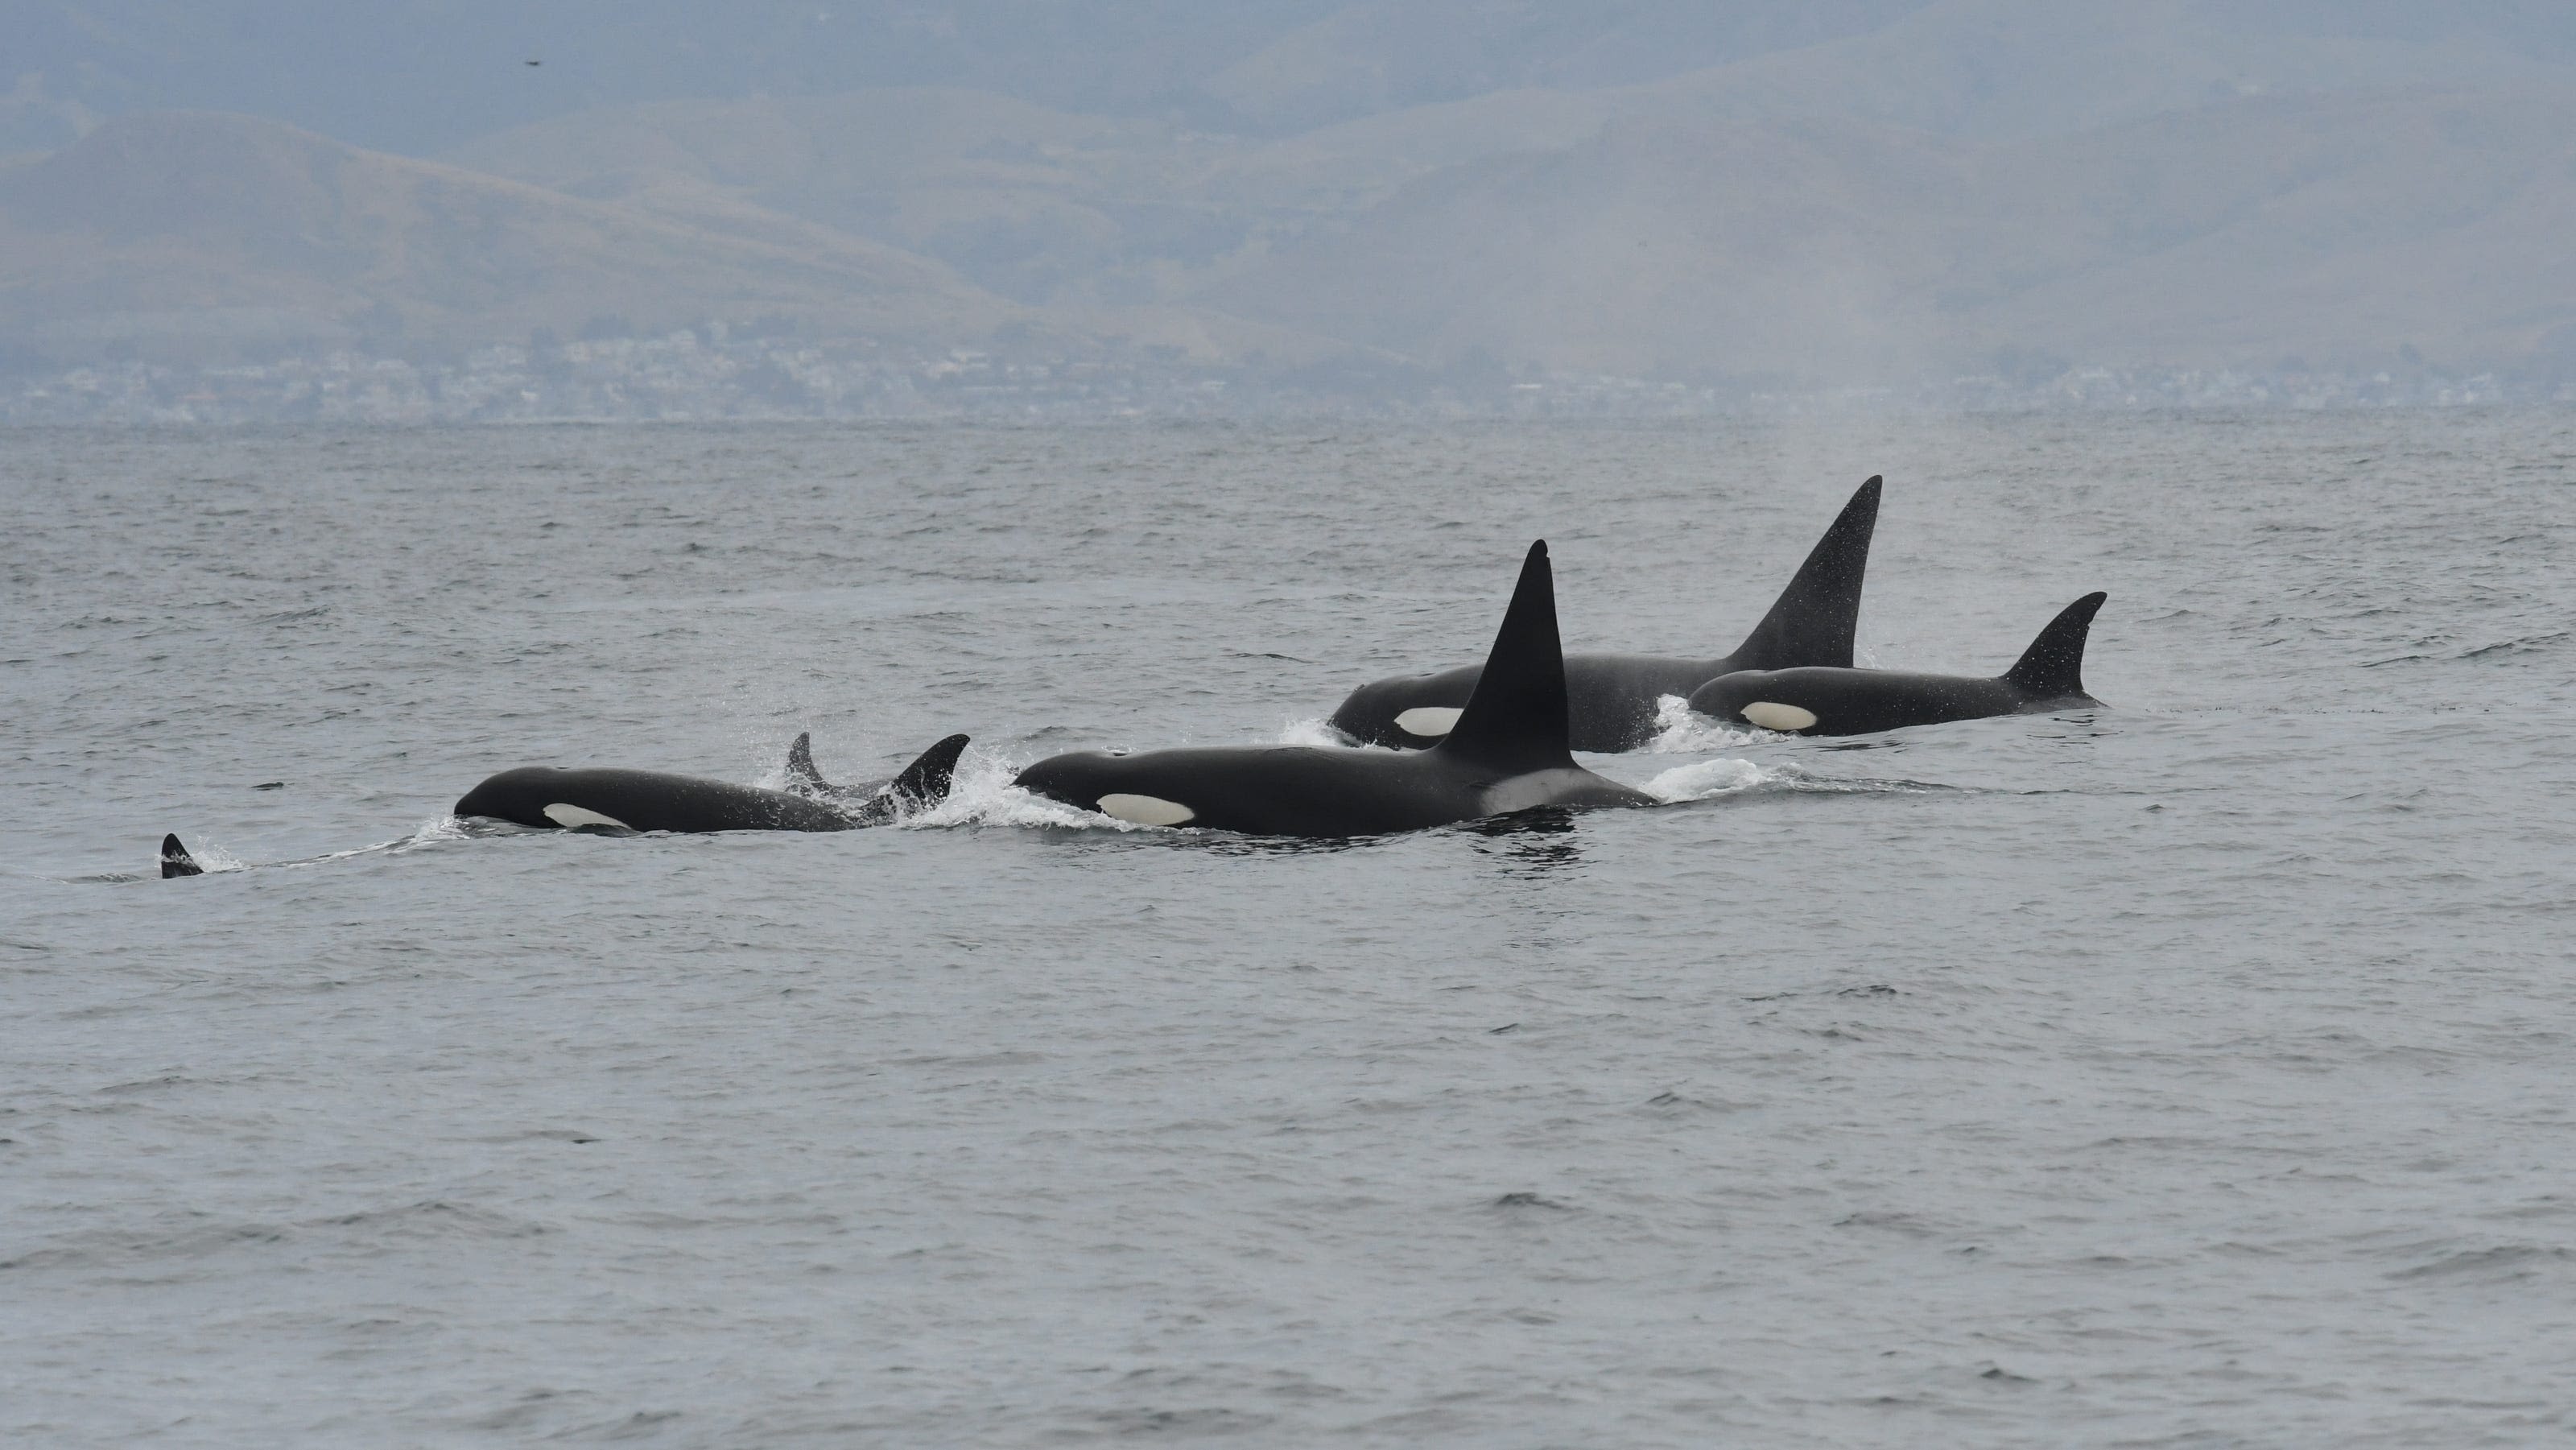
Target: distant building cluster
{"x":678,"y":376}
{"x":689,"y":375}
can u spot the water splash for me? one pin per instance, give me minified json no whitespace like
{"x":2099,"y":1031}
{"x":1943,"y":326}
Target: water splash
{"x":982,"y":793}
{"x":1680,"y":731}
{"x":1318,"y":732}
{"x":1708,"y":779}
{"x":213,"y":859}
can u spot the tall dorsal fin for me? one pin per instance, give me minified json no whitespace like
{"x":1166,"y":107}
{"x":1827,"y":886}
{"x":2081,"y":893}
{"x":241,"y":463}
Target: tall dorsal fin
{"x":2053,"y":666}
{"x":801,"y":774}
{"x":1515,"y":720}
{"x":1813,"y":620}
{"x":175,"y":860}
{"x":925,"y":781}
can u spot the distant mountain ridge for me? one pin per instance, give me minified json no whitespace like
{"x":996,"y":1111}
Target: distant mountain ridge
{"x":1857,"y":192}
{"x":188,"y":228}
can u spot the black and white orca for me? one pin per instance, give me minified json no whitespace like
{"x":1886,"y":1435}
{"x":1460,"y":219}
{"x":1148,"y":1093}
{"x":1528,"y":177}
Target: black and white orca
{"x":2048,"y":677}
{"x":644,"y":800}
{"x":647,"y":800}
{"x":1507,"y":752}
{"x":1613,"y":697}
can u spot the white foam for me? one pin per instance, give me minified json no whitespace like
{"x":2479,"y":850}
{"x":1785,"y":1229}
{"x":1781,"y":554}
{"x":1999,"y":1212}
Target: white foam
{"x":981,"y":794}
{"x":1708,"y":778}
{"x":1681,"y":731}
{"x":211,"y":858}
{"x":1318,"y":732}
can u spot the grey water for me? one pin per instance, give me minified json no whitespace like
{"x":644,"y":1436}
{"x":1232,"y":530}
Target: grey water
{"x":2198,"y":1070}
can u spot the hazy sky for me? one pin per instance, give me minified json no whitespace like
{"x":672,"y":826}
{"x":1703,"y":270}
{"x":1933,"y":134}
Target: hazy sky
{"x":420,"y":75}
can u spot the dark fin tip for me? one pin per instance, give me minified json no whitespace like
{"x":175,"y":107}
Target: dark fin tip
{"x":800,"y":763}
{"x":175,"y":860}
{"x":1516,"y":718}
{"x":1815,"y":617}
{"x":2053,"y":666}
{"x":925,"y":782}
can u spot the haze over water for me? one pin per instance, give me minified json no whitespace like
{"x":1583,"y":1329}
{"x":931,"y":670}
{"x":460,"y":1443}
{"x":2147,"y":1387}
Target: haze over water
{"x":2194,"y":1070}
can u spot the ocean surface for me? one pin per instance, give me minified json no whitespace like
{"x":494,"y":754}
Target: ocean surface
{"x":2196,"y":1071}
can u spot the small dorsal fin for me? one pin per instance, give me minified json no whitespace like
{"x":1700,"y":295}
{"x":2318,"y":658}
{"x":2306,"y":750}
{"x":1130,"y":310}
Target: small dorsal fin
{"x":1515,"y":720}
{"x":801,"y":774}
{"x":925,"y":781}
{"x":175,"y":860}
{"x":2053,"y":666}
{"x":1813,"y":620}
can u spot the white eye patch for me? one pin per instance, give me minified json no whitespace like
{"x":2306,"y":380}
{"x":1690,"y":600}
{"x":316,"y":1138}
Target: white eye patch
{"x":1772,"y":715}
{"x":573,"y":818}
{"x":1146,"y":810}
{"x":1428,"y":720}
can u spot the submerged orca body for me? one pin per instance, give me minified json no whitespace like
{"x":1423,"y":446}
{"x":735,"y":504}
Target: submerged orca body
{"x":2049,"y":676}
{"x":1507,"y":752}
{"x":1612,"y":698}
{"x":646,"y":800}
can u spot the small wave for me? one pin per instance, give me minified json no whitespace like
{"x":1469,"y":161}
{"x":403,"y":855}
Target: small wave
{"x":1681,"y":731}
{"x":2514,"y":646}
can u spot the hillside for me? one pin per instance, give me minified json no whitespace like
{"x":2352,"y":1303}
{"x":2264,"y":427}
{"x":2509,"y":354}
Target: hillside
{"x":1846,"y":193}
{"x":2337,"y":229}
{"x":211,"y":232}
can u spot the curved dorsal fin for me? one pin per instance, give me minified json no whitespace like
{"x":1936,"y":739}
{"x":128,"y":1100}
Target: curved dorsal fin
{"x":801,"y":774}
{"x":925,"y":781}
{"x":175,"y":860}
{"x":1515,"y":721}
{"x":2053,"y":666}
{"x":1813,"y":620}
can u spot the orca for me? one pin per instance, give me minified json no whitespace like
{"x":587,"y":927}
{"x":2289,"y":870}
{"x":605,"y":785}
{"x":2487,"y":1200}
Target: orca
{"x":646,"y":800}
{"x":1507,"y":753}
{"x":1613,"y":697}
{"x":2049,"y":676}
{"x":175,"y":860}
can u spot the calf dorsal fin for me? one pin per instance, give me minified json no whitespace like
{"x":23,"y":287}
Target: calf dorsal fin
{"x":2053,"y":667}
{"x":925,"y":781}
{"x":1813,"y":620}
{"x":175,"y":860}
{"x":801,"y":774}
{"x":1515,"y":721}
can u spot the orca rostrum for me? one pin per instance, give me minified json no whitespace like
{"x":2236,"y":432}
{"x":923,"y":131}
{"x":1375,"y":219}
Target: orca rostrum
{"x":1612,"y":698}
{"x":648,"y":800}
{"x":1507,"y":752}
{"x":2048,"y":677}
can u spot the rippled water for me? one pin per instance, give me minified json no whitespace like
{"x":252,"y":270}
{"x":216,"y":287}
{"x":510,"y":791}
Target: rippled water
{"x":2196,"y":1071}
